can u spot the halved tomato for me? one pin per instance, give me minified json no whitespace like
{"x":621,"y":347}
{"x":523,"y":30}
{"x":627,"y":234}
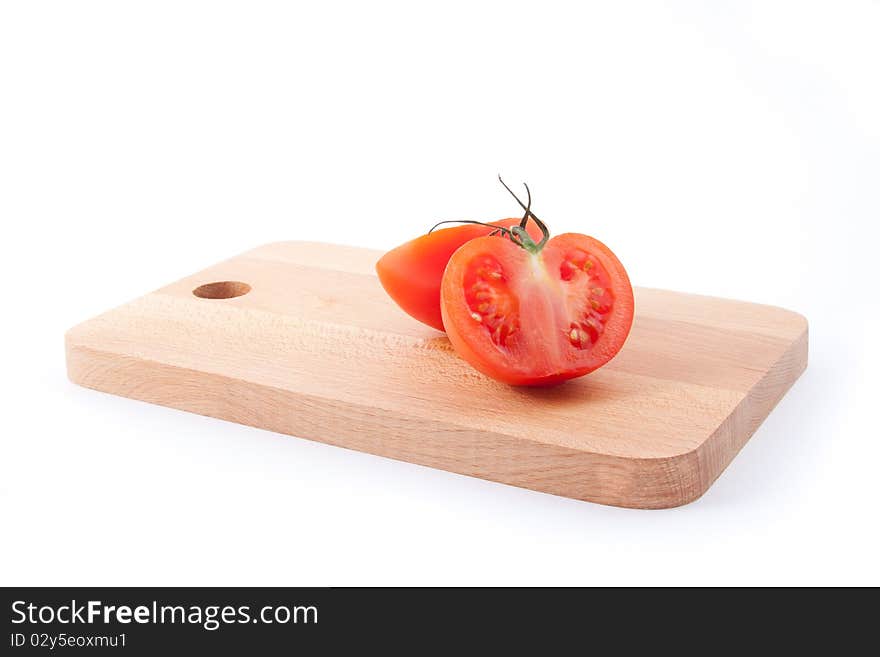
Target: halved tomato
{"x":536,"y":314}
{"x":411,"y":273}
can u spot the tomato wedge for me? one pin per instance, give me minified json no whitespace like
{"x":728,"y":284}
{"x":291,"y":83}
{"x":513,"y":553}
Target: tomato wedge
{"x":538,"y":315}
{"x":411,"y":273}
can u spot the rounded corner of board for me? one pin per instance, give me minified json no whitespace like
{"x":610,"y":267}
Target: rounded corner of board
{"x":796,"y":323}
{"x":679,"y":480}
{"x":75,"y":356}
{"x":800,"y":321}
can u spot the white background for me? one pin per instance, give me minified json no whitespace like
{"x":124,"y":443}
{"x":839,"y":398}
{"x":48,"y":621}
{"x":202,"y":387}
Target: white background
{"x":723,"y":148}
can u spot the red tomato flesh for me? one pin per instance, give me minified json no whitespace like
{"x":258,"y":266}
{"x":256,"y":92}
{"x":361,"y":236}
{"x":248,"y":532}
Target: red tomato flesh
{"x":412,"y":272}
{"x":536,"y":319}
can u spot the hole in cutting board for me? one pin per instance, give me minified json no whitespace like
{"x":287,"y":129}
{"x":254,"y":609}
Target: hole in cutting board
{"x":222,"y":290}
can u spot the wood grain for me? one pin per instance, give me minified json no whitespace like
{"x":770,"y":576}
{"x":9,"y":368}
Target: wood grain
{"x":313,"y":347}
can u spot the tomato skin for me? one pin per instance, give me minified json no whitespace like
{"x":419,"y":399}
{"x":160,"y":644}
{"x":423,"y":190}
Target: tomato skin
{"x":537,"y":320}
{"x":412,"y":272}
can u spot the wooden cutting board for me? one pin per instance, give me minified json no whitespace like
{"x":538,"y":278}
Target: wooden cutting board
{"x":300,"y":338}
